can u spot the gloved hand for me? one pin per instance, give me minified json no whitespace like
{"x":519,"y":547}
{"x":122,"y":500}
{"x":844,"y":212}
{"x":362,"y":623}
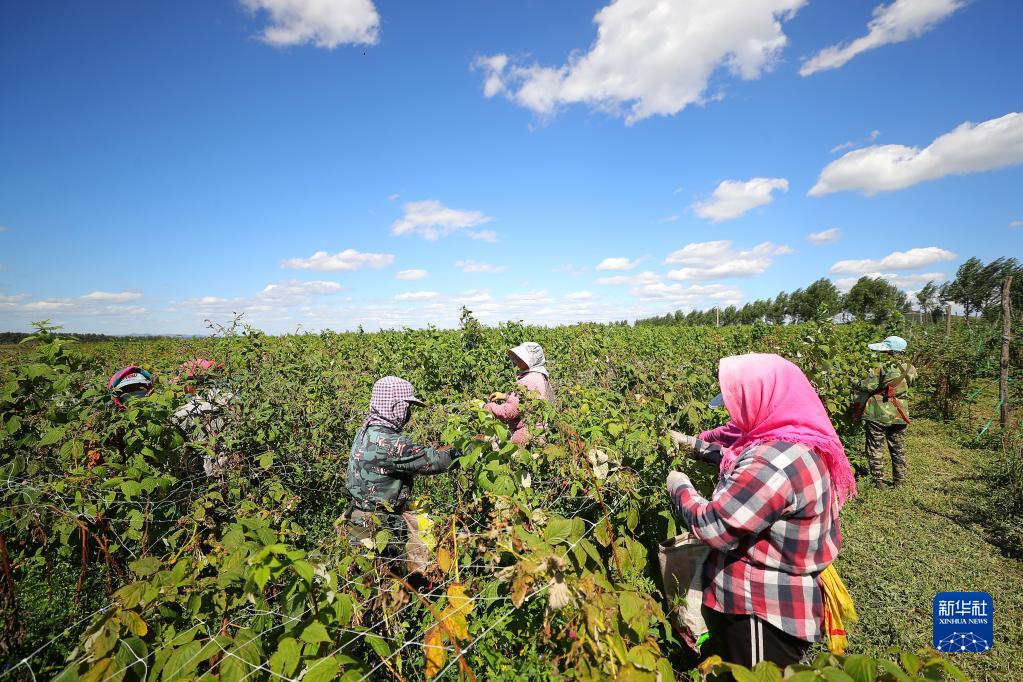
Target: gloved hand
{"x":682,"y":440}
{"x":676,"y":479}
{"x":497,"y":396}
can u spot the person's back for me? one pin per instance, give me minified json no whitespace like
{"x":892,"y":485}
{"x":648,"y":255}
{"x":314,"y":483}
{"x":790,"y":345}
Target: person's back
{"x":883,"y":404}
{"x":382,"y":465}
{"x":786,"y":556}
{"x":383,"y":462}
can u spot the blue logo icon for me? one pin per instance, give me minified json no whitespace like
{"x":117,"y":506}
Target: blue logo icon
{"x":964,"y":621}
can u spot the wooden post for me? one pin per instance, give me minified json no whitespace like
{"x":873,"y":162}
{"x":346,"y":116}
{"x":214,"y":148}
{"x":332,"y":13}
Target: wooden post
{"x":1003,"y":375}
{"x":717,"y":317}
{"x":948,"y":321}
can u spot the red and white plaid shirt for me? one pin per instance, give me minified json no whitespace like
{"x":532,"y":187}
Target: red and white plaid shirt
{"x":772,"y":532}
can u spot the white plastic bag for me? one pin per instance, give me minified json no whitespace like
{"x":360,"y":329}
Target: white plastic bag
{"x":681,"y":559}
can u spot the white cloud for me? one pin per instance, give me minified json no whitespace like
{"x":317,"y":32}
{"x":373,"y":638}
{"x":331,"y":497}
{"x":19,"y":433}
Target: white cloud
{"x":897,"y":260}
{"x":472,"y":266}
{"x":1016,"y":223}
{"x":324,"y":23}
{"x":393,"y":197}
{"x":894,"y":23}
{"x":617,"y":264}
{"x":4,"y":229}
{"x":569,"y":269}
{"x":901,"y":281}
{"x":411,"y":274}
{"x":529,"y":298}
{"x":874,"y":134}
{"x":732,"y":198}
{"x":969,"y":148}
{"x":431,"y":220}
{"x":344,"y":261}
{"x":825,"y":236}
{"x":47,"y":305}
{"x":417,"y":296}
{"x":294,"y":290}
{"x":717,"y":260}
{"x":473,"y":296}
{"x":669,"y":218}
{"x":113,"y":297}
{"x":693,"y":296}
{"x":650,"y":57}
{"x":647,"y":277}
{"x":579,"y":295}
{"x":483,"y":235}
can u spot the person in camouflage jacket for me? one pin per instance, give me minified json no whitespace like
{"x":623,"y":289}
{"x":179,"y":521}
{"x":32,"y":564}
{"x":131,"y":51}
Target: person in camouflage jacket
{"x":383,"y":463}
{"x":884,"y":407}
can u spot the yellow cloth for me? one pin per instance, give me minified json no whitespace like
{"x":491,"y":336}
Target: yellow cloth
{"x":838,"y":609}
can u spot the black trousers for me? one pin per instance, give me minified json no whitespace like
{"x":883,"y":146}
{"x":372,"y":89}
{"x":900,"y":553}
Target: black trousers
{"x":747,"y":640}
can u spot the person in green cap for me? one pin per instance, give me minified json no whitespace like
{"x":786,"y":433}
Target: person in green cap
{"x":884,"y":407}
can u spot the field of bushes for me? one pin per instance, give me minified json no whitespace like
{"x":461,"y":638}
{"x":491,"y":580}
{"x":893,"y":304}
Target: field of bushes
{"x":121,"y":559}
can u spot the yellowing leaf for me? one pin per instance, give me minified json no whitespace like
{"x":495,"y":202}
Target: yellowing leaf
{"x":444,"y":559}
{"x":134,"y":623}
{"x":436,"y":654}
{"x":519,"y":588}
{"x":458,"y":600}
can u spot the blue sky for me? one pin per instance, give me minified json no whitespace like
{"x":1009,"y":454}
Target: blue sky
{"x":166,"y":163}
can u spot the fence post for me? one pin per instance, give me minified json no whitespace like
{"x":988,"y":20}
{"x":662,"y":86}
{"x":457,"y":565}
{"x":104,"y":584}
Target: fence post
{"x":948,"y":321}
{"x":717,"y":317}
{"x":1003,"y":377}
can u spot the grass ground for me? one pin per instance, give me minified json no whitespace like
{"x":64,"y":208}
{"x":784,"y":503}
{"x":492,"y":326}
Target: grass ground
{"x":903,"y":546}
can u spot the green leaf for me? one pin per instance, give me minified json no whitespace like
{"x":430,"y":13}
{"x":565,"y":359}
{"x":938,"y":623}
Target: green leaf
{"x":835,"y":675}
{"x":893,"y":669}
{"x":52,"y":436}
{"x":305,"y":570}
{"x":766,"y":671}
{"x":285,"y":659}
{"x":632,"y":519}
{"x":633,"y":607}
{"x":803,"y":676}
{"x":558,"y":530}
{"x":602,"y":532}
{"x":861,"y":668}
{"x":145,"y":566}
{"x":910,"y":662}
{"x":183,"y":662}
{"x":322,"y":670}
{"x":266,"y":460}
{"x":315,"y":632}
{"x":379,"y":646}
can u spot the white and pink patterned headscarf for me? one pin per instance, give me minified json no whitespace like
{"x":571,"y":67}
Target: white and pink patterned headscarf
{"x":389,"y":404}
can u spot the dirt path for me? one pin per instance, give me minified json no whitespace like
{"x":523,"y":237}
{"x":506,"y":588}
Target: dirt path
{"x":903,"y":546}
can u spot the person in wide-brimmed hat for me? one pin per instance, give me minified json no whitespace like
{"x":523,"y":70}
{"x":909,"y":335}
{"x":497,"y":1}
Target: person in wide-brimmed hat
{"x":883,"y":404}
{"x":534,"y":378}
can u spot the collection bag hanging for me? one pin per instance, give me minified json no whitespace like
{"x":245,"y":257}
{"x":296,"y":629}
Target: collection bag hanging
{"x":681,"y":559}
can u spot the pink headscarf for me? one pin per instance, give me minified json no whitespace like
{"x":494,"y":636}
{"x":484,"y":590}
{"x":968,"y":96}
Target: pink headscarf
{"x":770,"y":399}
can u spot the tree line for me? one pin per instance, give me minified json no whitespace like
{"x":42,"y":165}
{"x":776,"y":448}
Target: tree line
{"x":976,"y":289}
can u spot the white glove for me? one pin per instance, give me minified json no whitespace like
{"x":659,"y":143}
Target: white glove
{"x":675,"y":480}
{"x":681,"y":440}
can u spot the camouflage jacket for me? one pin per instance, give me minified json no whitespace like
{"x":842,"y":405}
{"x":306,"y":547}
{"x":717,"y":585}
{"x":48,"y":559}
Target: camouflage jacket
{"x":877,"y":407}
{"x":383,"y":463}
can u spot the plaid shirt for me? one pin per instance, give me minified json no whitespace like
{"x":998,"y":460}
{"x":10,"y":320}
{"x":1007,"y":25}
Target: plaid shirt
{"x":771,"y":530}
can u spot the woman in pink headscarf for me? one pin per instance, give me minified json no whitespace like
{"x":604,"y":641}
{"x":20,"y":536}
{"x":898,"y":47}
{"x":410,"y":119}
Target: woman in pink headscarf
{"x":772,"y":521}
